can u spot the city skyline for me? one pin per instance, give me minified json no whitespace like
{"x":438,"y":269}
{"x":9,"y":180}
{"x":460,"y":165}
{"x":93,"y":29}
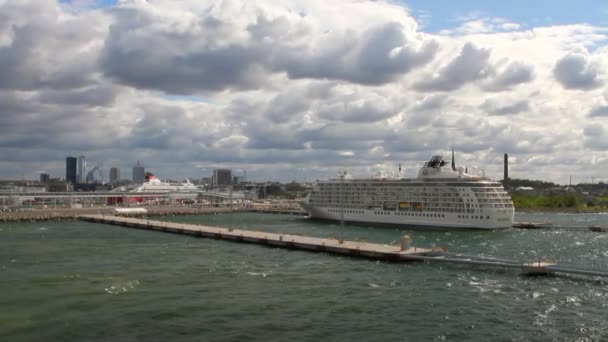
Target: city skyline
{"x":297,"y":90}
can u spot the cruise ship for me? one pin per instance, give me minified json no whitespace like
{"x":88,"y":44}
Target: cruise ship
{"x":153,"y":184}
{"x":441,"y":196}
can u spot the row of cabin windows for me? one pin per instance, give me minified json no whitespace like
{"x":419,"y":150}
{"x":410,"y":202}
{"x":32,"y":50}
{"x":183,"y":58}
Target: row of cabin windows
{"x":431,"y":209}
{"x":473,"y":217}
{"x":449,"y":198}
{"x":436,"y":190}
{"x":420,"y":214}
{"x":347,"y":211}
{"x":380,"y":187}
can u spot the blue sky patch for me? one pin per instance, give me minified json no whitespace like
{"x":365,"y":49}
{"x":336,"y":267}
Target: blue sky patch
{"x":437,"y":15}
{"x":446,"y":14}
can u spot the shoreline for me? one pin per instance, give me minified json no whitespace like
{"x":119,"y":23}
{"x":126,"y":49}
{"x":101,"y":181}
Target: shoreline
{"x":71,"y":214}
{"x":561,"y":211}
{"x":68,"y":214}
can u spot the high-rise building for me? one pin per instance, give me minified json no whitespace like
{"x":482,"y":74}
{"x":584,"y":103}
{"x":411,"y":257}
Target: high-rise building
{"x":81,"y":171}
{"x":139,"y":174}
{"x":114,"y":174}
{"x":222,"y":177}
{"x":70,"y":169}
{"x":45,"y":178}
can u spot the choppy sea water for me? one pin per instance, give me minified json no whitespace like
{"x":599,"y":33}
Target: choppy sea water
{"x":78,"y":281}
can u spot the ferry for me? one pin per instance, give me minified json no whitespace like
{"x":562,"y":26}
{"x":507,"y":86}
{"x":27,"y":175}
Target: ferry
{"x":153,"y":184}
{"x":441,"y":196}
{"x":153,"y":190}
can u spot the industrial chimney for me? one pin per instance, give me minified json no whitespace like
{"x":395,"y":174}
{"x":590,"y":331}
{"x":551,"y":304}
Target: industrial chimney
{"x":506,"y":171}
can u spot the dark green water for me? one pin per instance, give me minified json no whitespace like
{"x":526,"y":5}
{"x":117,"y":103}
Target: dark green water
{"x":77,"y":281}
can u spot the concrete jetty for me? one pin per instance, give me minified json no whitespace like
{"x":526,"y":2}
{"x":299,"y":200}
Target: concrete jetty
{"x":334,"y":246}
{"x":404,"y":251}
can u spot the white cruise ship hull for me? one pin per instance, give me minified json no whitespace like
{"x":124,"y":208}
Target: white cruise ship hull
{"x":489,"y":221}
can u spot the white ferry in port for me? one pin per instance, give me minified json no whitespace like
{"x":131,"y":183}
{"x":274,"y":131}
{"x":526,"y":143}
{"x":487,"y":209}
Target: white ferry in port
{"x":154,"y":184}
{"x":440,"y":196}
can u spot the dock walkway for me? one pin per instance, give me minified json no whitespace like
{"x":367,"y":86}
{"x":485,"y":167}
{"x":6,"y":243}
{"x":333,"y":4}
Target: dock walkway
{"x":401,"y":252}
{"x":335,"y":246}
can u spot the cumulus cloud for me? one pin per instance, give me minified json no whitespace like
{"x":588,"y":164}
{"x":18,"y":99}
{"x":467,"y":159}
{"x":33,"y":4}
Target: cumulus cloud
{"x":38,"y":40}
{"x":595,"y":137}
{"x":379,"y":55}
{"x":430,"y":102}
{"x":369,"y":107}
{"x":94,"y":96}
{"x":470,"y":65}
{"x":210,"y":50}
{"x":277,"y":86}
{"x":598,"y":111}
{"x":189,"y":60}
{"x":473,"y":24}
{"x":515,"y":73}
{"x":593,"y":131}
{"x":576,"y":71}
{"x":502,"y":107}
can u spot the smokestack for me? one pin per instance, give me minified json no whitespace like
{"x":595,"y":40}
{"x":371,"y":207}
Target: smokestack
{"x":453,"y":160}
{"x":506,"y":170}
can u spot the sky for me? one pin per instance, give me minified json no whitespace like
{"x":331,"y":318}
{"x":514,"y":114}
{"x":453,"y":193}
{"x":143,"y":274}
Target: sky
{"x":297,"y":90}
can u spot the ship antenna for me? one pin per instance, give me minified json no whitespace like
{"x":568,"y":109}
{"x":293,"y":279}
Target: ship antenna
{"x":453,"y":160}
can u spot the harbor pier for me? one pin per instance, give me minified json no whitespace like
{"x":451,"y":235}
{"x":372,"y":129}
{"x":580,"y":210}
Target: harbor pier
{"x":329,"y":245}
{"x":402,"y":252}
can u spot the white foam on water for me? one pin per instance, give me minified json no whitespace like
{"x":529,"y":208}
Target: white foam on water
{"x":122,"y":287}
{"x":573,"y":299}
{"x":486,"y":285}
{"x":264,"y":275}
{"x":373,"y":285}
{"x":542,"y":317}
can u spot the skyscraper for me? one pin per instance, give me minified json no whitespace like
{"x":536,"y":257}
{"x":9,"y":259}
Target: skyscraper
{"x":70,"y":169}
{"x":44,"y":177}
{"x":139,"y":174}
{"x":114,"y":174}
{"x":222,"y":177}
{"x":81,"y":172}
